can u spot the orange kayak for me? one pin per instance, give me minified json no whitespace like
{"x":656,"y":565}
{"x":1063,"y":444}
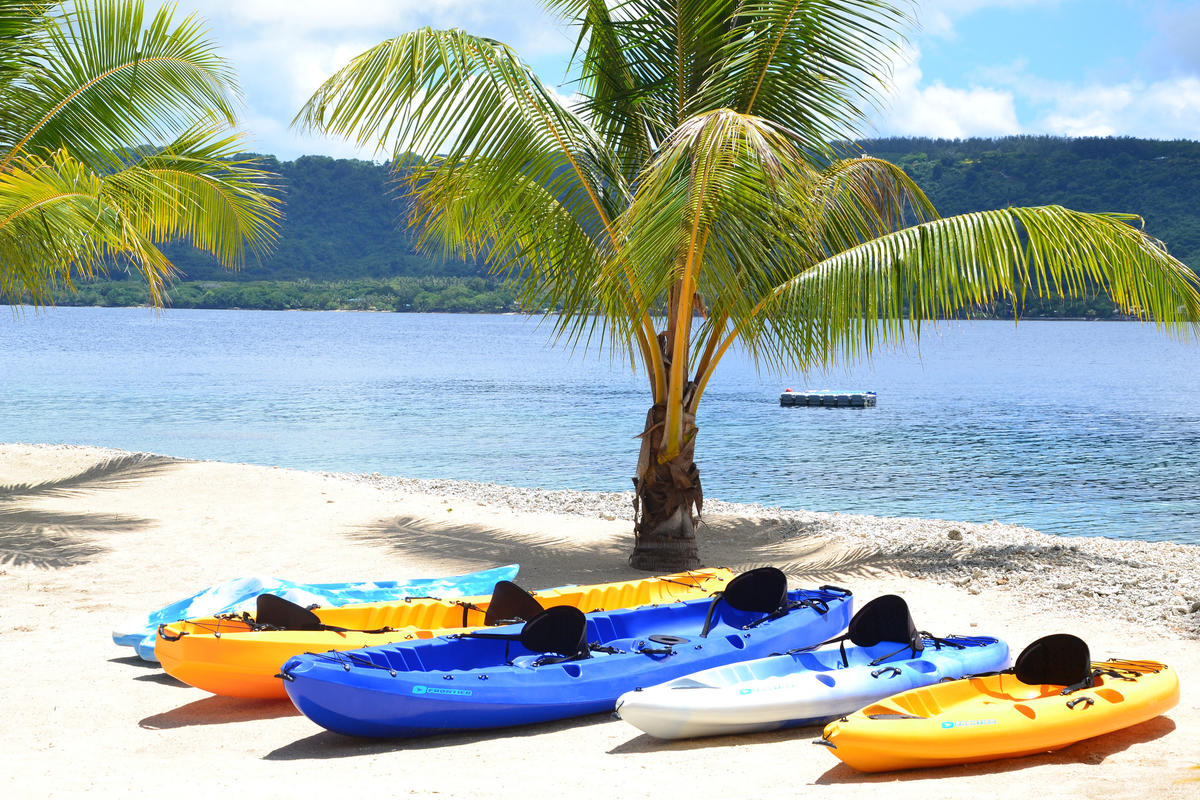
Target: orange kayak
{"x":240,"y":656}
{"x":1000,"y":716}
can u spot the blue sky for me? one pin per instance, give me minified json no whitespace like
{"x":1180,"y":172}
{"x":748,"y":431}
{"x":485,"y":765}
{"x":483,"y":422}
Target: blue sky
{"x":971,"y":67}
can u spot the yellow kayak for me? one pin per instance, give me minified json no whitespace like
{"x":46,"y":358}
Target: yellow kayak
{"x":239,"y":656}
{"x":1045,"y":703}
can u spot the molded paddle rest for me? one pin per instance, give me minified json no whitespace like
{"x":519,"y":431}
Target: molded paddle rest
{"x":274,"y":611}
{"x":1059,"y":659}
{"x":763,"y":590}
{"x":510,"y":603}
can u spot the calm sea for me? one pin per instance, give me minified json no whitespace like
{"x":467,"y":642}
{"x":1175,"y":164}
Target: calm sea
{"x":1068,"y":427}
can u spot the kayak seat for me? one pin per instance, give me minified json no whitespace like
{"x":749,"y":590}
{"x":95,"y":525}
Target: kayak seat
{"x":272,"y":611}
{"x":559,"y":634}
{"x":1059,"y":659}
{"x":885,"y":619}
{"x":762,"y":590}
{"x":510,"y":603}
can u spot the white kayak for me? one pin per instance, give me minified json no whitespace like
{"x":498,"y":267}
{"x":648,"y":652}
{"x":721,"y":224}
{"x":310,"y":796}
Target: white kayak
{"x":811,"y":686}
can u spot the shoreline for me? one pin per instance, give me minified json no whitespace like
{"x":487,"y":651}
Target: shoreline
{"x":90,"y":537}
{"x":1150,"y":582}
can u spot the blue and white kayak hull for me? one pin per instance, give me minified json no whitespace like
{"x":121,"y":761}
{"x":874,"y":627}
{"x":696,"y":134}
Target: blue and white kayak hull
{"x":800,"y":688}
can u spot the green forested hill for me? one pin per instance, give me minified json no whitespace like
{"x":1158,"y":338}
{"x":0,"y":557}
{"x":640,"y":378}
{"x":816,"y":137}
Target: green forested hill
{"x":1158,"y":180}
{"x":344,"y":243}
{"x":343,"y":220}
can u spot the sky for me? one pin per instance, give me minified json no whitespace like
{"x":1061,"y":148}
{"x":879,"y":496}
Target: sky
{"x":969,"y":68}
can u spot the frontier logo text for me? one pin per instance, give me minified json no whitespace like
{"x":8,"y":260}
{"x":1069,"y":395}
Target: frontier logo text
{"x":440,"y":690}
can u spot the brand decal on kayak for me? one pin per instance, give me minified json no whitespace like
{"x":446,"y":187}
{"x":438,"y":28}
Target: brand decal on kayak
{"x":441,"y":690}
{"x":969,"y":723}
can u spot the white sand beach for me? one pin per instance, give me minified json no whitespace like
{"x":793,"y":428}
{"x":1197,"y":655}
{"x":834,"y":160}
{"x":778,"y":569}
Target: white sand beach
{"x":90,"y":537}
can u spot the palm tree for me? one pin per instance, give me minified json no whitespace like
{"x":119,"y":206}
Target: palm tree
{"x":692,"y":199}
{"x":116,"y":136}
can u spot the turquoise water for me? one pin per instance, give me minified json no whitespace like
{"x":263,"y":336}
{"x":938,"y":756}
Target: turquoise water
{"x":1069,"y":427}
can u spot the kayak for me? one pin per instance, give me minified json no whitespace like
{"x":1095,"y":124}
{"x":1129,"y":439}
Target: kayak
{"x":559,"y":664}
{"x":806,"y":686}
{"x":1053,"y":697}
{"x":239,"y":594}
{"x":240,"y":655}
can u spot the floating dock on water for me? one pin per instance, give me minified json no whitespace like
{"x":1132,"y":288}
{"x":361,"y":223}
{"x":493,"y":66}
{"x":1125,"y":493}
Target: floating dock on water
{"x":827,"y":398}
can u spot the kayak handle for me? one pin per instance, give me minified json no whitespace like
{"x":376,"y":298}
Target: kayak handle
{"x":162,"y":633}
{"x":825,"y":743}
{"x":894,"y":670}
{"x":1085,"y":699}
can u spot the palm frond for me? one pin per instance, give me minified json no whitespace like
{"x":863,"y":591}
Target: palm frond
{"x":53,"y":226}
{"x":105,"y":77}
{"x":812,"y":66}
{"x":643,"y":61}
{"x":842,"y":307}
{"x":197,"y":190}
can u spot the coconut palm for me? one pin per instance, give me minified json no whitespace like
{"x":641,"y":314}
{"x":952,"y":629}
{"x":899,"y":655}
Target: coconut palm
{"x":690,"y":199}
{"x":116,"y":136}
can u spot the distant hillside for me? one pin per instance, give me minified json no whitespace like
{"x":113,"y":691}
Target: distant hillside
{"x":1158,"y":180}
{"x":345,"y":223}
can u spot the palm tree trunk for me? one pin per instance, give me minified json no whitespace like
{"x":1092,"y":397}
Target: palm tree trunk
{"x":667,"y":501}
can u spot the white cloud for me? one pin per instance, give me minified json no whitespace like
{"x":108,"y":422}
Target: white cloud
{"x":284,"y":49}
{"x":940,"y":111}
{"x":1164,"y":109}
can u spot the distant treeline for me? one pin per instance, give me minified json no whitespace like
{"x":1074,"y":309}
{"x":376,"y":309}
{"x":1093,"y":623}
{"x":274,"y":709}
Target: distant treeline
{"x":429,"y":293}
{"x":345,"y":244}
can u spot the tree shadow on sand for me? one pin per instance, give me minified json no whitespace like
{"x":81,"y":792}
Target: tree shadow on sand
{"x":52,"y":539}
{"x":1089,"y":751}
{"x":739,"y":543}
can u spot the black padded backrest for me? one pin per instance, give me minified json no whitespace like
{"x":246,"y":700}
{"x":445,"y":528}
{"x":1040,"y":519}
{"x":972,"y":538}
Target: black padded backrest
{"x":1059,"y":659}
{"x":561,"y":629}
{"x":884,"y":619}
{"x":763,"y":590}
{"x":510,"y":603}
{"x":279,"y":613}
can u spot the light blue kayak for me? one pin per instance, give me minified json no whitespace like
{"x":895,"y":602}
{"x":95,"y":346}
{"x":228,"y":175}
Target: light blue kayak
{"x":807,"y":686}
{"x":239,"y":594}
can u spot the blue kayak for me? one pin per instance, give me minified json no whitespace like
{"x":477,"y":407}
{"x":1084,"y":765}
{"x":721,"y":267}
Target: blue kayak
{"x":810,"y":686}
{"x":240,"y":594}
{"x":559,"y":664}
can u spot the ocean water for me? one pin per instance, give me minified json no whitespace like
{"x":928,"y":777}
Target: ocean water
{"x":1068,"y":427}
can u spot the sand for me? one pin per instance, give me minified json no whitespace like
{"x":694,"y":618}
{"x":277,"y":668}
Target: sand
{"x":90,"y":537}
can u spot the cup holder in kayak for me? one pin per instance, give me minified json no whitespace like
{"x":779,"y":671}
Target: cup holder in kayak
{"x":666,"y":638}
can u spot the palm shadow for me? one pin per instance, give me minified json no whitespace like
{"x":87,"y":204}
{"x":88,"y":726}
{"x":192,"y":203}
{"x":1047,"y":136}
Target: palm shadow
{"x":218,"y":710}
{"x":739,"y":543}
{"x":1089,"y":751}
{"x":335,"y":745}
{"x":54,"y":540}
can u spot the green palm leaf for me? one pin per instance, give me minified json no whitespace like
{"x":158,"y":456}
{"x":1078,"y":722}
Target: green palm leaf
{"x":115,"y":137}
{"x":841,"y":308}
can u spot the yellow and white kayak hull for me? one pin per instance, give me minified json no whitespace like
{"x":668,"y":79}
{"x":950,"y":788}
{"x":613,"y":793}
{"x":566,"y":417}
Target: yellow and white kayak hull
{"x":997,"y":716}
